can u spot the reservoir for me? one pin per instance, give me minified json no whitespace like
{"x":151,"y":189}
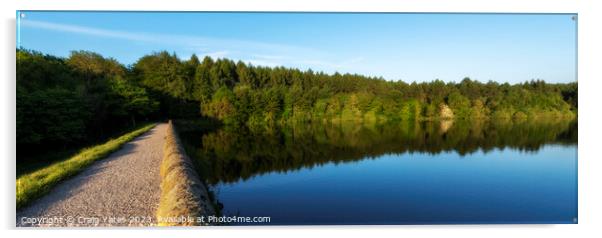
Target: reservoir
{"x":397,"y":173}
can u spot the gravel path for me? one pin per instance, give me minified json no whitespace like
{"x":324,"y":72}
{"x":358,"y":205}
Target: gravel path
{"x":120,"y":190}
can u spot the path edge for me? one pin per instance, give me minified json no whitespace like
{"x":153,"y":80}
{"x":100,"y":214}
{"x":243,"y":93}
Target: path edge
{"x":184,"y":198}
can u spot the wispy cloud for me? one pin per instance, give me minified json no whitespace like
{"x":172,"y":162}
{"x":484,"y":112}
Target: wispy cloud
{"x":186,"y":41}
{"x":254,"y":52}
{"x":338,"y":65}
{"x":87,"y":30}
{"x":263,"y":62}
{"x":353,"y":61}
{"x":271,"y":57}
{"x":218,"y":54}
{"x":268,"y":60}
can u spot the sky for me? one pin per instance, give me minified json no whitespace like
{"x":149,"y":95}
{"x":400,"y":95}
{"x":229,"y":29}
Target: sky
{"x":411,"y":47}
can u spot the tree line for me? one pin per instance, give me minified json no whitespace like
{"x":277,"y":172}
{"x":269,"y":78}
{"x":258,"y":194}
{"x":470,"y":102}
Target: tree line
{"x":68,"y":102}
{"x":240,"y":93}
{"x":83,"y":97}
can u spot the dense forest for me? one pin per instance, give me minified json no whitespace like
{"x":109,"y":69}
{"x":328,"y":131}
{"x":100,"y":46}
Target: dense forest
{"x":86,"y":97}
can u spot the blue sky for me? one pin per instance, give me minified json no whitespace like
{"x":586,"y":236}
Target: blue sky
{"x":409,"y":47}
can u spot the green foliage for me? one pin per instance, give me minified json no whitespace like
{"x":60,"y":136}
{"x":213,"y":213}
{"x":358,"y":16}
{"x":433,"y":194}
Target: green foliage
{"x":52,"y":115}
{"x":74,"y":101}
{"x":136,"y":101}
{"x":459,"y":104}
{"x":569,"y":94}
{"x":262,"y":95}
{"x":64,"y":100}
{"x":222,"y":105}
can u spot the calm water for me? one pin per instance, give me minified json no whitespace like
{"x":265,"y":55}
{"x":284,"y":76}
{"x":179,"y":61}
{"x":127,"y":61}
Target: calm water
{"x":412,"y":173}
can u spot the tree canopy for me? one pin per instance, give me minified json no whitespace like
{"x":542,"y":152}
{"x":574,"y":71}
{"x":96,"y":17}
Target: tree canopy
{"x":87,"y":96}
{"x":237,"y":92}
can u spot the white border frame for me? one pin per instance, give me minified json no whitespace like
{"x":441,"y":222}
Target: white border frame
{"x":589,"y":58}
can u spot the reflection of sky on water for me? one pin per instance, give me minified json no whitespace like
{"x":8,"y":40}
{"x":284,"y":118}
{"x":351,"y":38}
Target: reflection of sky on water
{"x":500,"y":186}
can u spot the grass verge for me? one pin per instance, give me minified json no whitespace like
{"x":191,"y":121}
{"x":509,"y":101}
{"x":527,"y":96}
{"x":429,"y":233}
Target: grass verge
{"x":37,"y":183}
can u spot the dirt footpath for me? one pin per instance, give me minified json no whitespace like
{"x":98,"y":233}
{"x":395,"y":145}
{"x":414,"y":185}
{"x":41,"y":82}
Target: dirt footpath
{"x":120,"y":190}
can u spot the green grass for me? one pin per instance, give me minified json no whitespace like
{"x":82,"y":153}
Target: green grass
{"x":37,"y":183}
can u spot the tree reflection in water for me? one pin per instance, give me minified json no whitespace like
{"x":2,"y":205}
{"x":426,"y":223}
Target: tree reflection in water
{"x":227,"y":155}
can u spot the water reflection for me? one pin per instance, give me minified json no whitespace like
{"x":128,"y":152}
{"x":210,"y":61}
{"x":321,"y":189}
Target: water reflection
{"x":227,"y":155}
